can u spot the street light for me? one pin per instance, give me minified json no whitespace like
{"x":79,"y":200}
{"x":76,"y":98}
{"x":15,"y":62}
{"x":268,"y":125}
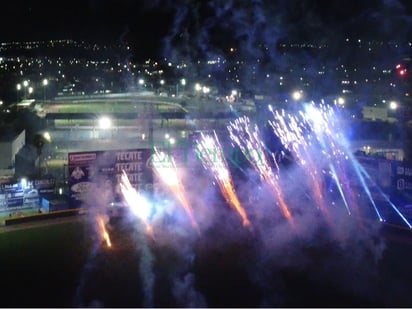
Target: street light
{"x":183,"y":83}
{"x":341,"y":101}
{"x":25,"y":84}
{"x":393,"y":105}
{"x":297,"y":95}
{"x":31,"y":90}
{"x":18,"y":88}
{"x":45,"y":83}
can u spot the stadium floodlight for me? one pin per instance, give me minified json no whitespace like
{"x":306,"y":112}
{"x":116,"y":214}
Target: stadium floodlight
{"x":47,"y":136}
{"x":105,"y":123}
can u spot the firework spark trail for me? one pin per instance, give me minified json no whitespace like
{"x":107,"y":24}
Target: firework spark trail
{"x":142,"y":209}
{"x":357,"y":167}
{"x":324,"y":132}
{"x":345,"y":184}
{"x":315,"y":139}
{"x":211,"y":153}
{"x":252,"y":147}
{"x":165,"y":168}
{"x":89,"y":267}
{"x":327,"y":122}
{"x":385,"y":196}
{"x":319,"y":119}
{"x":102,"y":230}
{"x":339,"y":185}
{"x":291,"y":132}
{"x":137,"y":203}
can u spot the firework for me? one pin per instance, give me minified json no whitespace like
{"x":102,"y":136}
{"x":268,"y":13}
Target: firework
{"x":211,"y":153}
{"x":316,"y":133}
{"x":138,"y":204}
{"x":247,"y":138}
{"x":165,"y":168}
{"x":103,"y":231}
{"x":294,"y":133}
{"x":325,"y":124}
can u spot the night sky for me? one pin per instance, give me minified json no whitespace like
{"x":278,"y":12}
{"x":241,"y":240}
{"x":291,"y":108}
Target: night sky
{"x":157,"y":27}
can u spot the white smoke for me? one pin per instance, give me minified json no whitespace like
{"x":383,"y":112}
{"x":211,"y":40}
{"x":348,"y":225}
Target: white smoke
{"x":185,"y":293}
{"x":146,"y":272}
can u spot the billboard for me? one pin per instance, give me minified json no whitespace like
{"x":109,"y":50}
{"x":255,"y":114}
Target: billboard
{"x":12,"y":195}
{"x":402,"y":177}
{"x":25,"y":193}
{"x":94,"y":176}
{"x":394,"y":178}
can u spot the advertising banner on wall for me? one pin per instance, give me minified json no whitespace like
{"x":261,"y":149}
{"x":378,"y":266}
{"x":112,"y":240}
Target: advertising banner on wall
{"x":94,"y":176}
{"x":394,"y":178}
{"x":402,"y":181}
{"x":25,"y":193}
{"x":12,"y":195}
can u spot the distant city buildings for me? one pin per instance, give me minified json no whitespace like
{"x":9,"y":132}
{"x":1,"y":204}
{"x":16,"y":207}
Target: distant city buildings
{"x":46,"y":69}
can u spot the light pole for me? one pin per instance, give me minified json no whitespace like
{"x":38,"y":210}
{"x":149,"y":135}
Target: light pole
{"x":18,"y":88}
{"x":141,"y":83}
{"x":183,"y":82}
{"x":31,"y":89}
{"x":25,"y":84}
{"x":45,"y":83}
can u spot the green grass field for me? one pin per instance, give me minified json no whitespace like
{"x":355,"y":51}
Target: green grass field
{"x":45,"y":266}
{"x":41,"y":266}
{"x":26,"y":212}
